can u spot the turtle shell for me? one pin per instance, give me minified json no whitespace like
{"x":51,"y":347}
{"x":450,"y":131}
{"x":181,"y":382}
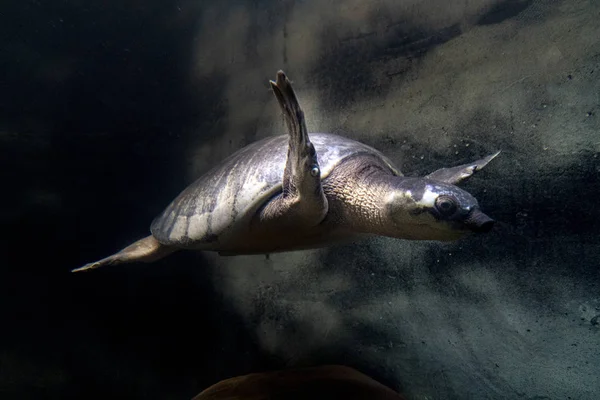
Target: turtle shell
{"x":223,"y":200}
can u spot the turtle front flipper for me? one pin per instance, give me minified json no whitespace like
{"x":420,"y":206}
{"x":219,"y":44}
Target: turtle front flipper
{"x":302,"y":202}
{"x":458,"y":174}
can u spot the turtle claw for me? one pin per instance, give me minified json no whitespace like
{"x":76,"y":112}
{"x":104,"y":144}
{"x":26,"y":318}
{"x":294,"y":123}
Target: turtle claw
{"x":85,"y":267}
{"x":89,"y":266}
{"x":110,"y":260}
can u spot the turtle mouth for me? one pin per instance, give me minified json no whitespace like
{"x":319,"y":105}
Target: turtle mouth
{"x":478,"y":222}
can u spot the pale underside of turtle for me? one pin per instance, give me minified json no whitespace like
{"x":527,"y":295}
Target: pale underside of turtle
{"x":299,"y":191}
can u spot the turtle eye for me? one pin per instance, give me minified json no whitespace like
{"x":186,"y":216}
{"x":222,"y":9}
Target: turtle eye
{"x":446,"y":205}
{"x":315,"y":171}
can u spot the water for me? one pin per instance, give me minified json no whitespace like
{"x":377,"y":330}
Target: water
{"x":107,"y":111}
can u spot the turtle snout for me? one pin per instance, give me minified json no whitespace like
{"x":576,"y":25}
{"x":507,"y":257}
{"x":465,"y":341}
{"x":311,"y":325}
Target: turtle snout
{"x":479,"y":222}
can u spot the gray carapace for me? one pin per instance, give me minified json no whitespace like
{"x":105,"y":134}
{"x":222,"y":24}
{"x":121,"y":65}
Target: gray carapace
{"x":301,"y":191}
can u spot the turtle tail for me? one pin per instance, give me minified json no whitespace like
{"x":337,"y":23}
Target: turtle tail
{"x":147,"y":250}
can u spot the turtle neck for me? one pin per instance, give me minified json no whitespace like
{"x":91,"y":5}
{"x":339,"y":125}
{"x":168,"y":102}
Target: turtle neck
{"x":356,"y":191}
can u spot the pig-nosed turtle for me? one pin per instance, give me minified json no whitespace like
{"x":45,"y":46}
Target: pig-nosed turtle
{"x":264,"y":199}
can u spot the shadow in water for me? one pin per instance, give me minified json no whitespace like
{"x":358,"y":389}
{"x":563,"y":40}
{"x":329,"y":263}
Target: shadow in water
{"x":90,"y":98}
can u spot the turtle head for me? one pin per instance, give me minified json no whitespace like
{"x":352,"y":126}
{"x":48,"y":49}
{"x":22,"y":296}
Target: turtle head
{"x":423,"y":209}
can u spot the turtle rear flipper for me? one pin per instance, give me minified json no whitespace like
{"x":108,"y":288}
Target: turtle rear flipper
{"x":302,"y":201}
{"x":147,"y":249}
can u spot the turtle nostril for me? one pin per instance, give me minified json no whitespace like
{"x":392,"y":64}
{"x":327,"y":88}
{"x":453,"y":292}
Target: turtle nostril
{"x":485,"y":227}
{"x":479,"y":222}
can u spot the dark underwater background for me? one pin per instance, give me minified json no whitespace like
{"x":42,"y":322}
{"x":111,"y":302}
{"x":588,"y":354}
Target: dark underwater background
{"x":109,"y":109}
